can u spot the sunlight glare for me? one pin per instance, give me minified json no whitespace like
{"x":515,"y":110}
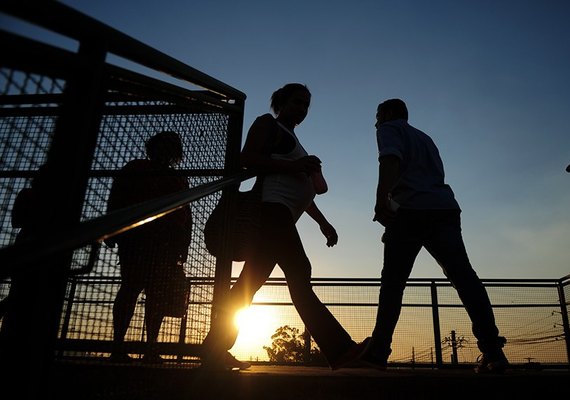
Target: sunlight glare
{"x":256,"y":324}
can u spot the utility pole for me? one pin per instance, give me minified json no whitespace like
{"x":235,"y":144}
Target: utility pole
{"x":455,"y":343}
{"x":453,"y":349}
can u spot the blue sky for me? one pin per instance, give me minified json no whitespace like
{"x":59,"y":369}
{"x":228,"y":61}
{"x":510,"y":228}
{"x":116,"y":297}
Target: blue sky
{"x":488,"y":80}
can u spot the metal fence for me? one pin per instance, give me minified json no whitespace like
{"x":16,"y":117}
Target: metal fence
{"x":434,"y":329}
{"x":84,"y":102}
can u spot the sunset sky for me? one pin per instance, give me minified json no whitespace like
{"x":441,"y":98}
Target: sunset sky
{"x":487,"y":79}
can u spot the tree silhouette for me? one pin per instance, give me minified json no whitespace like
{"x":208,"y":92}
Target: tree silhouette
{"x":289,"y":346}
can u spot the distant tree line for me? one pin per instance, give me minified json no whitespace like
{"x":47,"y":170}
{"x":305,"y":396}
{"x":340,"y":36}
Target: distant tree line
{"x":289,"y":345}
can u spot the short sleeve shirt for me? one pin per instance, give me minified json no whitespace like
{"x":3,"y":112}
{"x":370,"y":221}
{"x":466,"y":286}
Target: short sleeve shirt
{"x":422,"y":179}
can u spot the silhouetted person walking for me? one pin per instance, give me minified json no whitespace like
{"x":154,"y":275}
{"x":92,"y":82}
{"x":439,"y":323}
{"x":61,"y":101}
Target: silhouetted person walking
{"x":418,"y":209}
{"x":151,"y":256}
{"x":273,"y":149}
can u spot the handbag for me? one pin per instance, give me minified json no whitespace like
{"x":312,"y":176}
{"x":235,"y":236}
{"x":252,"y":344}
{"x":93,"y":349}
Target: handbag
{"x":175,"y":293}
{"x":245,"y":228}
{"x":319,"y":182}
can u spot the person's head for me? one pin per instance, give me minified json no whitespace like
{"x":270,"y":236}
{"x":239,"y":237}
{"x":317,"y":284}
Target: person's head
{"x":165,"y":147}
{"x":291,"y":102}
{"x":390,"y":110}
{"x":42,"y":175}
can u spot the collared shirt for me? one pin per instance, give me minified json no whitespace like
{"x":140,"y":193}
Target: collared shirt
{"x":422,"y":179}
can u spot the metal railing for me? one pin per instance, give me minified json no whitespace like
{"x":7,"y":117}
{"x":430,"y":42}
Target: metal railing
{"x":434,"y":329}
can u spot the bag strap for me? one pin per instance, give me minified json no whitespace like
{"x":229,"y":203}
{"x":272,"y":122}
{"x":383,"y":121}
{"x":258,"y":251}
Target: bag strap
{"x":273,"y":139}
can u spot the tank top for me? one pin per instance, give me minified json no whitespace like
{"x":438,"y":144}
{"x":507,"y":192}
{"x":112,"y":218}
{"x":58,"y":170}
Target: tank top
{"x":294,"y":190}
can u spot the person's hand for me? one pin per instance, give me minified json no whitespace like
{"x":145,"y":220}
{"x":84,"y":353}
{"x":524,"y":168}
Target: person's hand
{"x":307,"y":164}
{"x":383,"y":213}
{"x":330,"y":233}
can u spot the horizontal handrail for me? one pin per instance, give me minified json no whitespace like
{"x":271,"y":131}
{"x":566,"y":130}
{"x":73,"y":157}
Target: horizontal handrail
{"x":109,"y":225}
{"x":67,"y":21}
{"x":349,"y":281}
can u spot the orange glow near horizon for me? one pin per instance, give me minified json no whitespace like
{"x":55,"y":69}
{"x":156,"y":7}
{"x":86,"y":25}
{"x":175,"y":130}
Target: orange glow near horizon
{"x":256,"y":325}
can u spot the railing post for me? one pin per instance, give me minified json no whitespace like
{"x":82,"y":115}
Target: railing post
{"x":436,"y":327}
{"x":61,"y":195}
{"x":565,"y":323}
{"x":70,"y":155}
{"x":222,"y":274}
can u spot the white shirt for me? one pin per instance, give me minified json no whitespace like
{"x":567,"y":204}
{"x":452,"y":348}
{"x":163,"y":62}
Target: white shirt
{"x":293,"y":190}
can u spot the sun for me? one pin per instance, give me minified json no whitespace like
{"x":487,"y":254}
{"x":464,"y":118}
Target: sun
{"x":256,"y":324}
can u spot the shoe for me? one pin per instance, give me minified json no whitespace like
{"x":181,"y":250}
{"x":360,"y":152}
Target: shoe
{"x":352,"y":356}
{"x":223,"y":363}
{"x":120,"y":358}
{"x":492,"y":360}
{"x":492,"y":363}
{"x":375,"y":358}
{"x":232,"y":362}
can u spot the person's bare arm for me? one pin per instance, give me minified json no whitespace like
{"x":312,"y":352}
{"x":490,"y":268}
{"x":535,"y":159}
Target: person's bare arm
{"x":326,"y":228}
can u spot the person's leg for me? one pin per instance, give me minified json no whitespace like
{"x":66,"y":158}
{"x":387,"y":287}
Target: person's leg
{"x":153,"y":320}
{"x":402,"y":243}
{"x":284,"y":241}
{"x":154,"y":315}
{"x":162,"y":274}
{"x":125,"y":302}
{"x":123,"y":310}
{"x":224,"y":332}
{"x":446,"y":245}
